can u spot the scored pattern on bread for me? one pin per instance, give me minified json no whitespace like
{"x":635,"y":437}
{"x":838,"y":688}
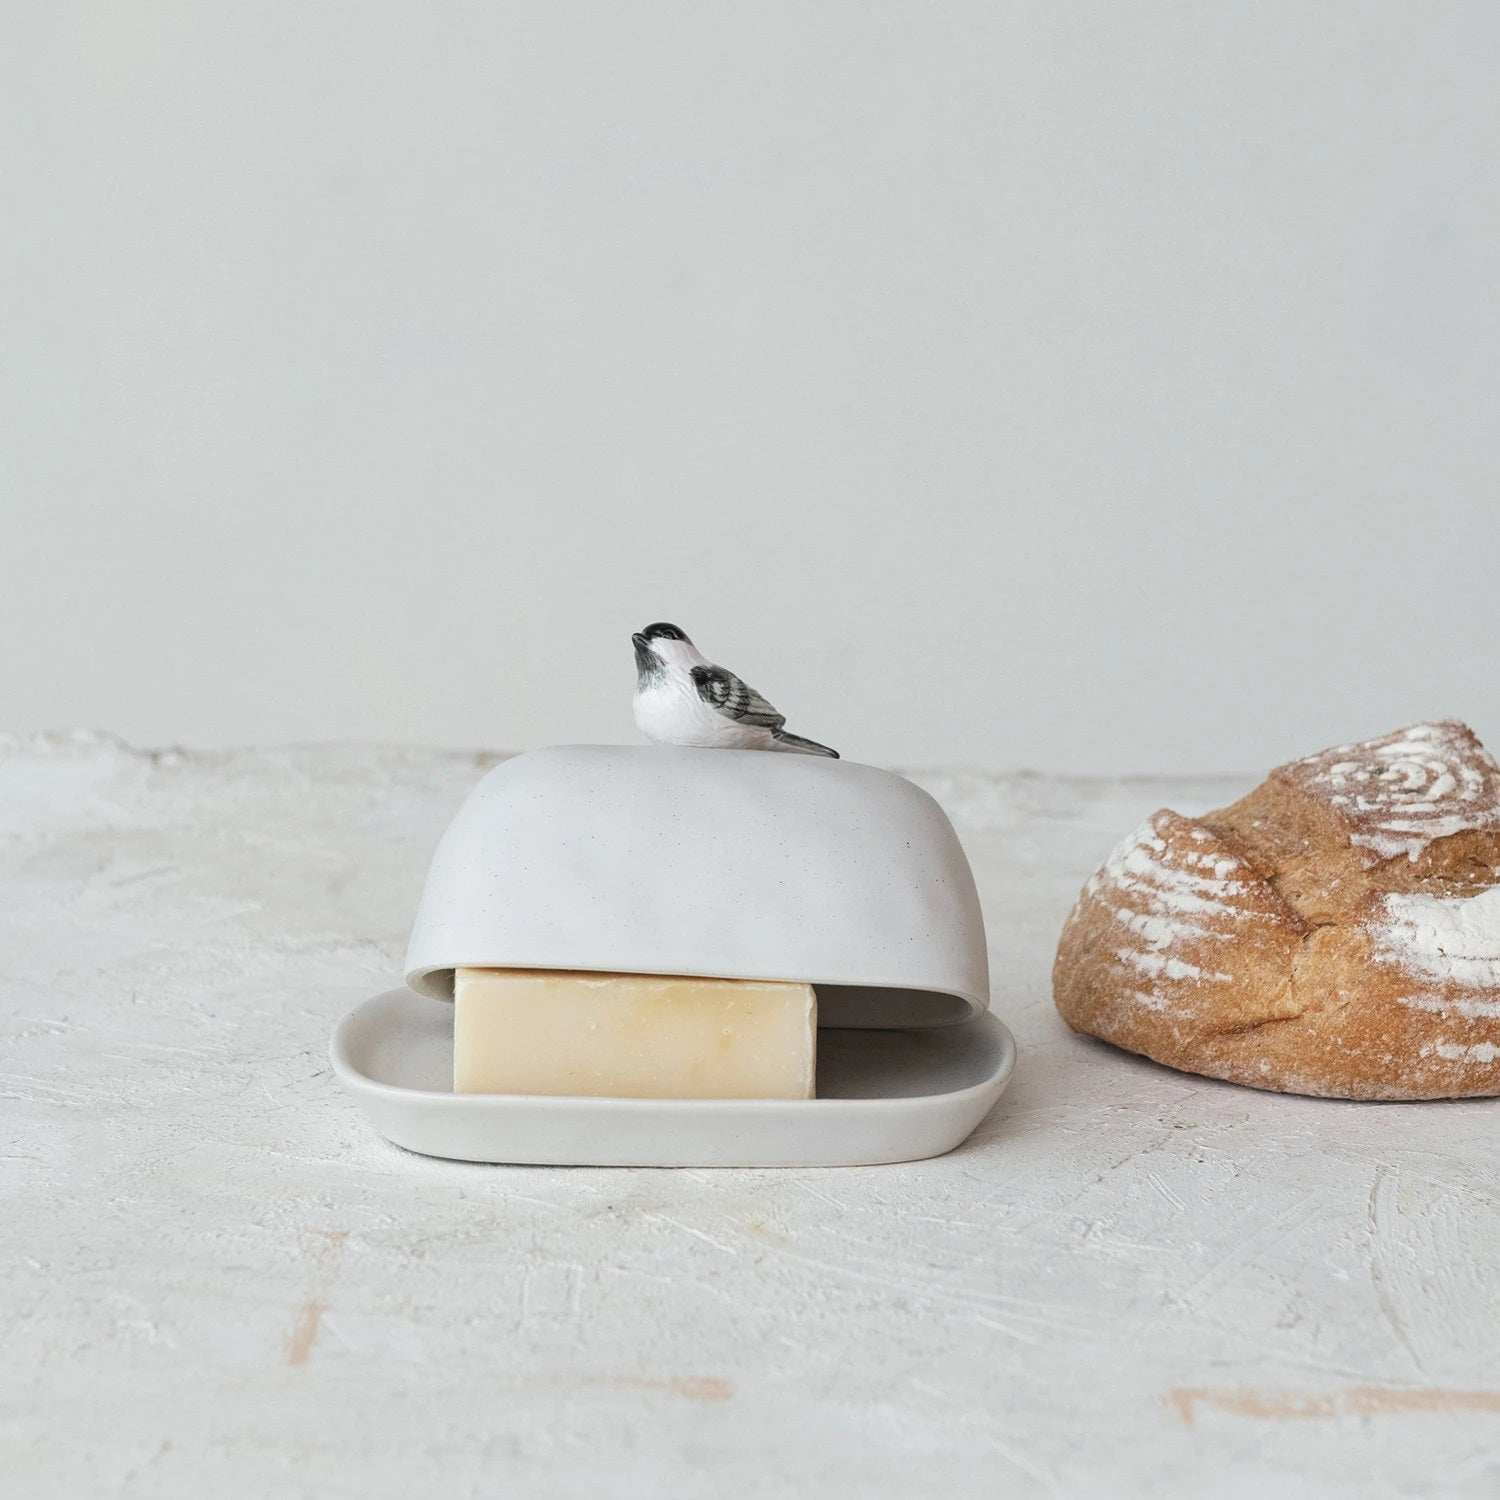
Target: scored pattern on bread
{"x":1399,"y":793}
{"x":1336,"y":931}
{"x":1180,"y":924}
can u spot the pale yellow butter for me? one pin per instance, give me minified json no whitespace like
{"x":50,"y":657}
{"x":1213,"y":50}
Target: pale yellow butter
{"x":632,"y":1036}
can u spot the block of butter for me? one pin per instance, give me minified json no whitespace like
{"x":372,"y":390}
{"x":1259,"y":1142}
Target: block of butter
{"x":632,"y":1036}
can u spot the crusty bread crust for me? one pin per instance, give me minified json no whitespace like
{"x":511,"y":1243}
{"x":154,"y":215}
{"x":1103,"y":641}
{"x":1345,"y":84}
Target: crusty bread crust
{"x":1335,"y":932}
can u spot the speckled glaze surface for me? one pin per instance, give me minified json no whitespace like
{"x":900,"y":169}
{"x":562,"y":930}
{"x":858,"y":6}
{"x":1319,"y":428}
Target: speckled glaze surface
{"x":727,"y":863}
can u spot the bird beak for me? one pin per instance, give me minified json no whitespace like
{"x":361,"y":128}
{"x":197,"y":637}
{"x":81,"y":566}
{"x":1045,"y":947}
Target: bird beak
{"x":640,"y":642}
{"x":644,"y":655}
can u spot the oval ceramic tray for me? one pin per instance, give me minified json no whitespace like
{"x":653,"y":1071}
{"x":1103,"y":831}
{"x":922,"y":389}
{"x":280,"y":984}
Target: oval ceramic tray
{"x":883,"y":1096}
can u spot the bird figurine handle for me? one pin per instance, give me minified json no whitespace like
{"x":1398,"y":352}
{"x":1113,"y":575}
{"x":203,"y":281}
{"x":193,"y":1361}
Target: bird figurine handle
{"x":682,"y":698}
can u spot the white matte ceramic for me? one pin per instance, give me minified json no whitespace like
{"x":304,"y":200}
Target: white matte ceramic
{"x":883,"y":1096}
{"x":731,"y":864}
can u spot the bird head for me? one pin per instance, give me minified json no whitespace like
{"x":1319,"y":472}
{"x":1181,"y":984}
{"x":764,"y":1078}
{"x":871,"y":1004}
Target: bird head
{"x":660,"y":646}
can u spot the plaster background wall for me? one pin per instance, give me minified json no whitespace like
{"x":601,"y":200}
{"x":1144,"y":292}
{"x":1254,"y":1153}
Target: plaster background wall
{"x":1082,"y":386}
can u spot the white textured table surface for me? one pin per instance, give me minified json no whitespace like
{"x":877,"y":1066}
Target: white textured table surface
{"x":219,"y":1281}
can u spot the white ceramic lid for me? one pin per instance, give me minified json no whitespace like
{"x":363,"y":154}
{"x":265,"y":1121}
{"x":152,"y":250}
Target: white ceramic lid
{"x":734,"y":864}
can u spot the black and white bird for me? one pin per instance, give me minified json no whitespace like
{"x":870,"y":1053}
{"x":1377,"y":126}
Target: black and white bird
{"x":681,"y":698}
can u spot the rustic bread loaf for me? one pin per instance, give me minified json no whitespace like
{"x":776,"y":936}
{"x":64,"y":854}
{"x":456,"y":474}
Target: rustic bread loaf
{"x":1335,"y":932}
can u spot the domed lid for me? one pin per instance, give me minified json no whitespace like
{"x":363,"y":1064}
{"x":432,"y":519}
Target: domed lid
{"x":732,"y":864}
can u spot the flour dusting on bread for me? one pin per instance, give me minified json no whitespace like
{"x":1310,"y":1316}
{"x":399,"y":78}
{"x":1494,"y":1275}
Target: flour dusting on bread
{"x":1451,"y":942}
{"x":1451,"y":948}
{"x":1169,"y":900}
{"x":1173,"y":893}
{"x":1402,"y":791}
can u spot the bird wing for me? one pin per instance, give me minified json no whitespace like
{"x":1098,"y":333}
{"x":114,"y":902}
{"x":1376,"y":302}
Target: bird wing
{"x":735,"y":698}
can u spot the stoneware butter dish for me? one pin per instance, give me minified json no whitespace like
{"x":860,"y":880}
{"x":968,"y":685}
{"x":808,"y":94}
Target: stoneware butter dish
{"x":717,"y":863}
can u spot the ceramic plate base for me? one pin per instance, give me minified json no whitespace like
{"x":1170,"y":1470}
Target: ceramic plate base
{"x":883,"y":1096}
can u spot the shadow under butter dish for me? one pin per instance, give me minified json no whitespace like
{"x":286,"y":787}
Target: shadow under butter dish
{"x":632,"y":1036}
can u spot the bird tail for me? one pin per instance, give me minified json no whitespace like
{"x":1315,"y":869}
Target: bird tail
{"x":799,"y":746}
